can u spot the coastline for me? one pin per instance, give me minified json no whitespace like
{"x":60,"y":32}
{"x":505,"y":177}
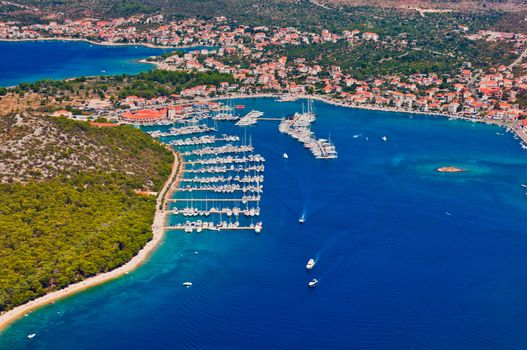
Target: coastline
{"x":521,"y":134}
{"x":158,"y":234}
{"x":101,"y":43}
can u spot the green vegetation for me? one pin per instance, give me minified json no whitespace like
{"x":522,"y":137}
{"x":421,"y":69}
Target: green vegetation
{"x":522,"y":99}
{"x":128,"y":8}
{"x":376,"y":59}
{"x":74,"y":222}
{"x":148,"y":84}
{"x":59,"y":232}
{"x":409,"y":43}
{"x":163,"y":83}
{"x":412,"y":43}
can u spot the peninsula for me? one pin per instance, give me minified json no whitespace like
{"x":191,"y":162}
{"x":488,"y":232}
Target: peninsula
{"x":73,"y":208}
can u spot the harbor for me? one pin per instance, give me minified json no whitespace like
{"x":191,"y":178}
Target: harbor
{"x":298,"y":127}
{"x":355,"y":228}
{"x":221,"y":183}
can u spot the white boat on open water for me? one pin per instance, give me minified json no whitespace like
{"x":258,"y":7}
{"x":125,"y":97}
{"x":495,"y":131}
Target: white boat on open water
{"x":310,"y":264}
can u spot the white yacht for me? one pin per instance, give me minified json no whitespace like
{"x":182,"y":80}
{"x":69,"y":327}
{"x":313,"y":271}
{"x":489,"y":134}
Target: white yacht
{"x":31,"y":336}
{"x":384,"y":138}
{"x":286,"y":156}
{"x":310,"y":264}
{"x":313,"y":283}
{"x":302,"y":219}
{"x":187,"y":284}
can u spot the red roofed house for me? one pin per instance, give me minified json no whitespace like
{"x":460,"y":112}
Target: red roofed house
{"x":144,"y":116}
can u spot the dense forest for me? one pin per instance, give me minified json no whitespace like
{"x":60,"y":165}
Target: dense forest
{"x":76,"y":221}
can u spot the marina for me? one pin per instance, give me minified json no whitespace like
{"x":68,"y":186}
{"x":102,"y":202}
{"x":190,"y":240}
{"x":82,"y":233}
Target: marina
{"x":203,"y":140}
{"x":298,"y":127}
{"x":370,"y":290}
{"x":221,"y":178}
{"x":250,"y":118}
{"x":184,"y":130}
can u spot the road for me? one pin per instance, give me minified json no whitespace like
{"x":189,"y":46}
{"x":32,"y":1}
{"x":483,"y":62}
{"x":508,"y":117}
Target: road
{"x":518,"y":60}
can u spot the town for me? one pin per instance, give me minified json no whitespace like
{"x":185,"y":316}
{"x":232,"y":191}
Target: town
{"x":255,"y":58}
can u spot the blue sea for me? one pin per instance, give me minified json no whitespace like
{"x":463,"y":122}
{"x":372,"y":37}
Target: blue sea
{"x":408,"y":258}
{"x":30,"y":61}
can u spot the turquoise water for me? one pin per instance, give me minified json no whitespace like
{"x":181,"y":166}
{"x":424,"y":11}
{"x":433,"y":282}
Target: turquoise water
{"x":29,"y":61}
{"x":407,"y":258}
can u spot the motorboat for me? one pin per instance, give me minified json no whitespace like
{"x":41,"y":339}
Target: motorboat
{"x":384,"y":138}
{"x":31,"y":336}
{"x":286,"y":156}
{"x":313,"y":283}
{"x":187,"y":284}
{"x":302,"y":219}
{"x":310,"y":264}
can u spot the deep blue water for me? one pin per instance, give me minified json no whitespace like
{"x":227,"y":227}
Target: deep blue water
{"x":408,"y":258}
{"x":35,"y":60}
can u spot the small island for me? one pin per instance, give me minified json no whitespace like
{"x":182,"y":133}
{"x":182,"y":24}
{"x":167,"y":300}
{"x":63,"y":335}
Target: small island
{"x":450,"y":169}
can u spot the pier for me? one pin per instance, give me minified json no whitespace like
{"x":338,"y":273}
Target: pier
{"x":299,"y":127}
{"x":239,"y":228}
{"x":218,"y":167}
{"x":173,"y":200}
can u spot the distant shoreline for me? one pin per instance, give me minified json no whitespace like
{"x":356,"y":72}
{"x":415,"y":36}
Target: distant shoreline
{"x":158,"y":234}
{"x":101,"y":43}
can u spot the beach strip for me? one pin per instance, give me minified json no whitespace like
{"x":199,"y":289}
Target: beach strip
{"x":158,"y":234}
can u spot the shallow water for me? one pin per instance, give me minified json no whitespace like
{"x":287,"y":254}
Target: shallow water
{"x":408,"y":258}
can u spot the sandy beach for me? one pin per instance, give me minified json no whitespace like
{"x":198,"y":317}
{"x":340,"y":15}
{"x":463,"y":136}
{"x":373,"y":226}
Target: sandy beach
{"x":158,"y":234}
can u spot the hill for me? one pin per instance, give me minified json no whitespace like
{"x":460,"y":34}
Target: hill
{"x":304,"y":14}
{"x":253,"y":9}
{"x":67,"y":201}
